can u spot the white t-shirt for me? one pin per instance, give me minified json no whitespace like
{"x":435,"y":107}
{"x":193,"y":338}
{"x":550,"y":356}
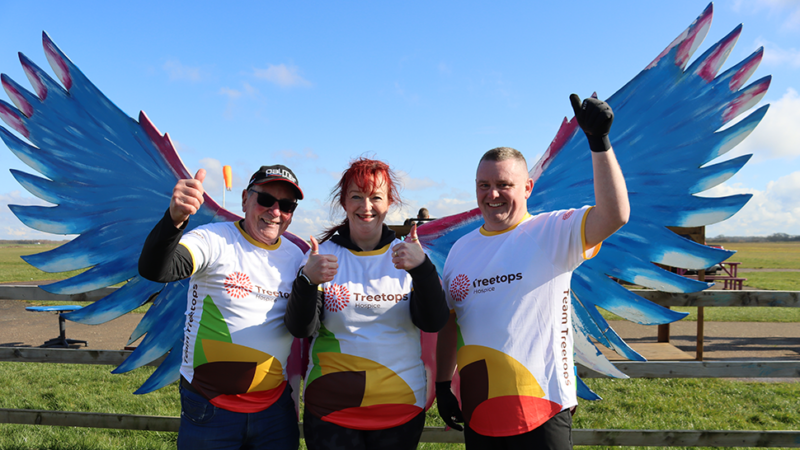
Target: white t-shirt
{"x":366,"y":370}
{"x":510,"y":291}
{"x":235,"y":343}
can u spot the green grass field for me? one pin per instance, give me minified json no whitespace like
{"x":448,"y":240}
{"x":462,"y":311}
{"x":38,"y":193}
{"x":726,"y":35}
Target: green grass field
{"x":668,"y":404}
{"x":13,"y":268}
{"x":638,"y":404}
{"x":765,"y":255}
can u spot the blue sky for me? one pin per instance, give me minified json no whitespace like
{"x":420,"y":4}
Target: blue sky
{"x":427,"y":87}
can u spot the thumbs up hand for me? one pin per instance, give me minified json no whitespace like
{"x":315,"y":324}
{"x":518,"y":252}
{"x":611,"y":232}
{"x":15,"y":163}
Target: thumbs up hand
{"x":187,"y":197}
{"x":408,"y":254}
{"x":595,"y":118}
{"x":320,"y":268}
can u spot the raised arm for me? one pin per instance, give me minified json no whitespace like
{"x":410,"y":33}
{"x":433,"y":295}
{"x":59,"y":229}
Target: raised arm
{"x":162,"y":259}
{"x":612,"y":208}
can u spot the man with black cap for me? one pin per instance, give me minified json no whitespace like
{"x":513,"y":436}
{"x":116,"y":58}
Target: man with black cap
{"x":234,"y":390}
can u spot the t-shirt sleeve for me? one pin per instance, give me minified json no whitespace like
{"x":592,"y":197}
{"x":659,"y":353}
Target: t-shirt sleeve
{"x":564,"y":237}
{"x":446,"y":279}
{"x":198,"y":243}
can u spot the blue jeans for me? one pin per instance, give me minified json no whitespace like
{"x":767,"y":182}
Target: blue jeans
{"x":205,"y":426}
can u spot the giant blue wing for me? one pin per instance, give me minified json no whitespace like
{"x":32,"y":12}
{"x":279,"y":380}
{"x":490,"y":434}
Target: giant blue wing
{"x":669,"y":125}
{"x":110,"y":178}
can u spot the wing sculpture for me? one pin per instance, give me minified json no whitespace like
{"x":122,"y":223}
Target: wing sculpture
{"x":667,"y":127}
{"x":110,"y":178}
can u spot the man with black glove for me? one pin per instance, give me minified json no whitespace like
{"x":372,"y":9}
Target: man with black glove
{"x":508,"y":285}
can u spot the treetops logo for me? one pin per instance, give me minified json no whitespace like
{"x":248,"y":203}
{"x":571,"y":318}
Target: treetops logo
{"x":238,"y":285}
{"x":461,"y":285}
{"x":337,"y":297}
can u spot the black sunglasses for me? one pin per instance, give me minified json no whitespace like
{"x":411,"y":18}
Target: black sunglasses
{"x":266,"y":200}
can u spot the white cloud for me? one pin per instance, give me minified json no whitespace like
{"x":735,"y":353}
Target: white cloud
{"x":334,"y":175}
{"x":232,"y":94}
{"x":774,"y":210}
{"x":213,"y":182}
{"x":405,"y":95}
{"x":177,"y":71}
{"x":282,"y":75}
{"x":786,"y":11}
{"x":448,"y":206}
{"x":13,"y":228}
{"x":416,"y":184}
{"x":291,"y":155}
{"x":312,"y":217}
{"x":778,"y":134}
{"x":247,"y":91}
{"x":236,"y":97}
{"x":777,"y":56}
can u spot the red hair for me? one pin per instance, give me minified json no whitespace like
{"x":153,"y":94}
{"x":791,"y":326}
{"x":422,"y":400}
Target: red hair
{"x":364,"y":173}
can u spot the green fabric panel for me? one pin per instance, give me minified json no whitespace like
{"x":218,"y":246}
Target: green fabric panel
{"x":325,"y":342}
{"x":459,"y":338}
{"x":211,"y":326}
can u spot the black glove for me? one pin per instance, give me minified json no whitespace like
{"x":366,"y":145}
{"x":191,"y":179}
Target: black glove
{"x":595,"y":118}
{"x":447,"y":404}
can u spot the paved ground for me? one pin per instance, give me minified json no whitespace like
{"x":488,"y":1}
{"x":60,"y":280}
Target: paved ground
{"x":724,"y":340}
{"x":21,"y":328}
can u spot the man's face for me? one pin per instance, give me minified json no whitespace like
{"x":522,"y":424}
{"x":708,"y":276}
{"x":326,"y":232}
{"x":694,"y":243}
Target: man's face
{"x":502,"y":189}
{"x":266,"y":224}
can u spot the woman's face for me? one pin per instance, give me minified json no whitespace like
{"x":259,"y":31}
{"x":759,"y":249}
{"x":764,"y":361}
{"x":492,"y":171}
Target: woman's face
{"x":366,"y":210}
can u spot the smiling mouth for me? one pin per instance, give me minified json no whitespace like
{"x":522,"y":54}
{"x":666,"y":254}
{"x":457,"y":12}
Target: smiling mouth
{"x":495,"y":205}
{"x":365,"y":216}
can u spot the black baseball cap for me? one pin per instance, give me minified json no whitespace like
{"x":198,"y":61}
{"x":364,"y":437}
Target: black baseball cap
{"x":278,"y":172}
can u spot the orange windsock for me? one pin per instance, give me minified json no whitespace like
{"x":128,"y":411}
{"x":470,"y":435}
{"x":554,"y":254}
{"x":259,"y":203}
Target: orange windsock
{"x":227,"y":174}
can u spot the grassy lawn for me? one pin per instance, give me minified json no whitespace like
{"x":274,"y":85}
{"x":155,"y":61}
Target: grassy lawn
{"x":773,"y":281}
{"x":67,"y":387}
{"x":765,"y":255}
{"x":13,"y":268}
{"x":637,"y":404}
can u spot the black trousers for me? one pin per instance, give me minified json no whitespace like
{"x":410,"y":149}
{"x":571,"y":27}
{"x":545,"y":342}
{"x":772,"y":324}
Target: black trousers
{"x":555,"y":434}
{"x":322,"y":435}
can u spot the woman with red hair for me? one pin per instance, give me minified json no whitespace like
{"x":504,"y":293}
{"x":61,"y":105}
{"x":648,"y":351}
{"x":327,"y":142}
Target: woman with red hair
{"x":364,"y":295}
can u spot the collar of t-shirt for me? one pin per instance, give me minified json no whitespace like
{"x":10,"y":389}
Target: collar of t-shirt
{"x":342,"y":237}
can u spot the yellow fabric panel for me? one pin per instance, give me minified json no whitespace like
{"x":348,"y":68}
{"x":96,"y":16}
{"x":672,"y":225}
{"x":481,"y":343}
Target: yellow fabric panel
{"x":485,"y":232}
{"x":591,"y":252}
{"x":269,"y":372}
{"x":194,"y":263}
{"x":507,"y":376}
{"x":383,"y":386}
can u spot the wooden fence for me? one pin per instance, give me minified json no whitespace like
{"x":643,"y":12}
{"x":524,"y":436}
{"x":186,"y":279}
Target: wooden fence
{"x":682,"y":369}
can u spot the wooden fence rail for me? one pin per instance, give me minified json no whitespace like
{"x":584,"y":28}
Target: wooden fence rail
{"x":634,"y":369}
{"x":23,"y":292}
{"x":655,"y":438}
